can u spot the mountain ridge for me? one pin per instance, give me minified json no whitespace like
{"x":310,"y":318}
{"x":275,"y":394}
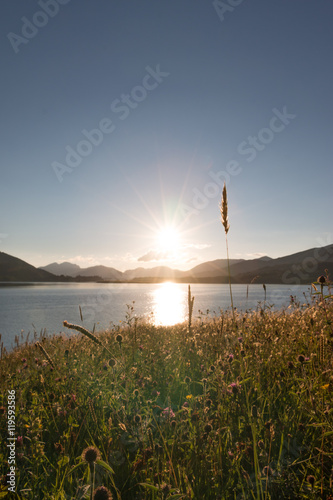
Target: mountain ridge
{"x":300,"y":268}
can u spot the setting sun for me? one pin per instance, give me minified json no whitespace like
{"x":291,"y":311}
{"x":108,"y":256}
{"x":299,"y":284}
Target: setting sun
{"x":168,"y":239}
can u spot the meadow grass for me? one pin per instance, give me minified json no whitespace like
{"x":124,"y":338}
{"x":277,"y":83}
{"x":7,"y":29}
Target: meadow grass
{"x":226,"y":409}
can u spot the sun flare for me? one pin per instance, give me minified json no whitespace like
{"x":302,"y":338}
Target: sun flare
{"x":168,"y":240}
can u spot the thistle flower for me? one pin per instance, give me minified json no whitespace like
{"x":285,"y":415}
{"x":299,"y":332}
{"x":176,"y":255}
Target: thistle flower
{"x":90,"y":455}
{"x":119,"y":338}
{"x":321,"y":280}
{"x":102,"y":493}
{"x":167,"y":412}
{"x":235,"y":388}
{"x":224,"y":210}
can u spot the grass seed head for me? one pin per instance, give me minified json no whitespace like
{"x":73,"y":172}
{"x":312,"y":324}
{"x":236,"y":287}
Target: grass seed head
{"x":224,"y":210}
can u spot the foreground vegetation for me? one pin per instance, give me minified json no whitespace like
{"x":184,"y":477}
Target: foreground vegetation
{"x":234,"y":407}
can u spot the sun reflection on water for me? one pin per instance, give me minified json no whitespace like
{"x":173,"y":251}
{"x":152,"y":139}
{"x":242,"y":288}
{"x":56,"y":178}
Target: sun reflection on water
{"x":169,"y":304}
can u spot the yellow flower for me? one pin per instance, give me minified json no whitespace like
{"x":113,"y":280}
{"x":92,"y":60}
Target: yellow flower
{"x":189,"y":396}
{"x":326,"y":386}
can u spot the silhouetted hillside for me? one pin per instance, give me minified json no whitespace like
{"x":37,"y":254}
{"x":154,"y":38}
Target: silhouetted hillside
{"x":14,"y":269}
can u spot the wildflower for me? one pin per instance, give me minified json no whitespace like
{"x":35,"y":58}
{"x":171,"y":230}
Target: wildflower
{"x":189,"y":396}
{"x":240,"y":339}
{"x":187,"y":380}
{"x":186,"y":405}
{"x":19,"y":441}
{"x":24,"y":360}
{"x":235,"y":388}
{"x":321,"y":280}
{"x":119,"y":338}
{"x":90,"y":455}
{"x":112,"y":362}
{"x":167,"y":412}
{"x":301,"y":358}
{"x":102,"y":493}
{"x":231,"y":358}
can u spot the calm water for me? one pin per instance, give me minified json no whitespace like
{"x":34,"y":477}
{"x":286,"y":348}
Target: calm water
{"x":45,"y":306}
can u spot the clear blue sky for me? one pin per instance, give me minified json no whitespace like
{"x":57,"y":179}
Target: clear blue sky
{"x":183,"y":92}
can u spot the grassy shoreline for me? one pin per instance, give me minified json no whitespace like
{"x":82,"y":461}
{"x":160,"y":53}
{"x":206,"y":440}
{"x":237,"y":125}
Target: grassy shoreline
{"x":224,"y":410}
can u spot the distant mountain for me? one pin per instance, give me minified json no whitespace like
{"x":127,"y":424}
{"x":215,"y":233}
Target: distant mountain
{"x":65,"y":269}
{"x":106,"y":273}
{"x":211,"y":269}
{"x":154,"y":272}
{"x":299,"y":268}
{"x":73,"y":270}
{"x":14,"y":269}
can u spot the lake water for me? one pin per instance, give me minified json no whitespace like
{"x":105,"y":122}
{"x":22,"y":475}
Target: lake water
{"x":45,"y":306}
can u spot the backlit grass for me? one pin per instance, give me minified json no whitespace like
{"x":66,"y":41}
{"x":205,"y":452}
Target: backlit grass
{"x":225,"y":409}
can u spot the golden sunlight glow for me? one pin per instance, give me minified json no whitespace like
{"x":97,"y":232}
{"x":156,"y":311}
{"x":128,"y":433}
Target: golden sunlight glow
{"x":168,"y":239}
{"x":169,"y":304}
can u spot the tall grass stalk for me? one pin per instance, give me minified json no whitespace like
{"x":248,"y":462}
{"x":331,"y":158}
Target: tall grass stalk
{"x":226,"y":225}
{"x":190,"y":301}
